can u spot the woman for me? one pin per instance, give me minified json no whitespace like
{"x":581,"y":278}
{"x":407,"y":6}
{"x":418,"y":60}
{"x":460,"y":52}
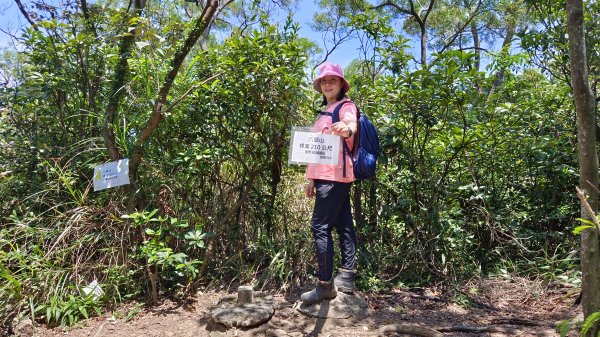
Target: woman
{"x":330,"y":186}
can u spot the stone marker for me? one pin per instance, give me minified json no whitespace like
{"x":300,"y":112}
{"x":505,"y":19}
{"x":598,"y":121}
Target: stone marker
{"x":351,"y":306}
{"x":244,"y":310}
{"x":245,"y":295}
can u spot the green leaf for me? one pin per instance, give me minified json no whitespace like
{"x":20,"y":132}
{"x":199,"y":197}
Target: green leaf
{"x":590,"y":322}
{"x":152,"y":213}
{"x":579,"y":229}
{"x":564,"y":328}
{"x":97,"y":310}
{"x":16,"y":284}
{"x":585,"y":221}
{"x":83,"y":311}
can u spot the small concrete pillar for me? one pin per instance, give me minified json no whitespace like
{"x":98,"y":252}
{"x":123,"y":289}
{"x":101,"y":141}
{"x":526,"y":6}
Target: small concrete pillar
{"x":245,"y":295}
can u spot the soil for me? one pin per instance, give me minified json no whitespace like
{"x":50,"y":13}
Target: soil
{"x":492,"y":307}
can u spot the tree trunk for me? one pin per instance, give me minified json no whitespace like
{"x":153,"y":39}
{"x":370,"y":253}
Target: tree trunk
{"x":510,"y":33}
{"x":424,"y":46}
{"x":199,"y":25}
{"x":476,"y":45}
{"x":588,"y":158}
{"x":117,"y":92}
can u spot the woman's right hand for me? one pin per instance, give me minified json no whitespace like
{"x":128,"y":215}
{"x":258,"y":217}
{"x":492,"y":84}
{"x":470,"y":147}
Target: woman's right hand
{"x":309,"y":189}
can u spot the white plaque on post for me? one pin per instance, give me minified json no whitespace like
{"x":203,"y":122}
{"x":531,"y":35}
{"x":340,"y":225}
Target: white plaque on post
{"x":111,"y":174}
{"x":307,"y":147}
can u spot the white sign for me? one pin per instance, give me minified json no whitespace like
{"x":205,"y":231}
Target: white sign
{"x":308,"y":147}
{"x":111,"y":174}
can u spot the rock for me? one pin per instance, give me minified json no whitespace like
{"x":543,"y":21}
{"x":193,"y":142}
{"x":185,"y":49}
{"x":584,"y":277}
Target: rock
{"x":23,"y":328}
{"x":343,"y":306}
{"x":230,"y":314}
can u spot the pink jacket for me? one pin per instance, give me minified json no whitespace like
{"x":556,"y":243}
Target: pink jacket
{"x":334,"y":172}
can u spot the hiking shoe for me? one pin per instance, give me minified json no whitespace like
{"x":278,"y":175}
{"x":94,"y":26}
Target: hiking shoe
{"x":324,"y":290}
{"x":344,"y":280}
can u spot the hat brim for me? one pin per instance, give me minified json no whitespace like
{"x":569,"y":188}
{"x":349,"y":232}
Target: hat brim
{"x":317,"y":83}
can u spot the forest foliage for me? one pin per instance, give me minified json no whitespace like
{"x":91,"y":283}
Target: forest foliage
{"x":471,"y":99}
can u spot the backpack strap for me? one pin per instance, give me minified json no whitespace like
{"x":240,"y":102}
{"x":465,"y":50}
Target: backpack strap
{"x":335,"y":117}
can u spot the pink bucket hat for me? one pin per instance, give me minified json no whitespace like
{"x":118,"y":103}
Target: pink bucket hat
{"x":333,"y":69}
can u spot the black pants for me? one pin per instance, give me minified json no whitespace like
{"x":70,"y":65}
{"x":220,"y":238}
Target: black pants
{"x":332,"y":210}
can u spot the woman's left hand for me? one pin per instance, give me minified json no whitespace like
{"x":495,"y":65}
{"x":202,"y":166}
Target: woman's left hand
{"x":340,"y":128}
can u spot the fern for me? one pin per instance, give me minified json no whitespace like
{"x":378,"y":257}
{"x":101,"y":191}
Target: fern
{"x":590,"y":322}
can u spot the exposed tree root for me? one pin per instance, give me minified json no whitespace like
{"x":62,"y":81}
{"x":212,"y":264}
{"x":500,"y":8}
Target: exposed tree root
{"x":516,"y":321}
{"x":414,"y":330}
{"x":478,"y":329}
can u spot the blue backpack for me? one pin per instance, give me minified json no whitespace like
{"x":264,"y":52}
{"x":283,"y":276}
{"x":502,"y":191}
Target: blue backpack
{"x":364,"y":157}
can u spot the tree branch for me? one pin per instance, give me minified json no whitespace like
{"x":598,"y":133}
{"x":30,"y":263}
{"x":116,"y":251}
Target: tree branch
{"x":587,"y":207}
{"x":190,"y":90}
{"x":26,"y":15}
{"x":86,"y":15}
{"x":461,"y":29}
{"x":428,"y":11}
{"x":394,"y":5}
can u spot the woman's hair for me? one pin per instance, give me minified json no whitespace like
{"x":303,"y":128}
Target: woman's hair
{"x":340,"y":97}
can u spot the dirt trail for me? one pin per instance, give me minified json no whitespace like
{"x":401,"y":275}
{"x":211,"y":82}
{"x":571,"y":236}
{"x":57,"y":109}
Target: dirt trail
{"x":490,"y":307}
